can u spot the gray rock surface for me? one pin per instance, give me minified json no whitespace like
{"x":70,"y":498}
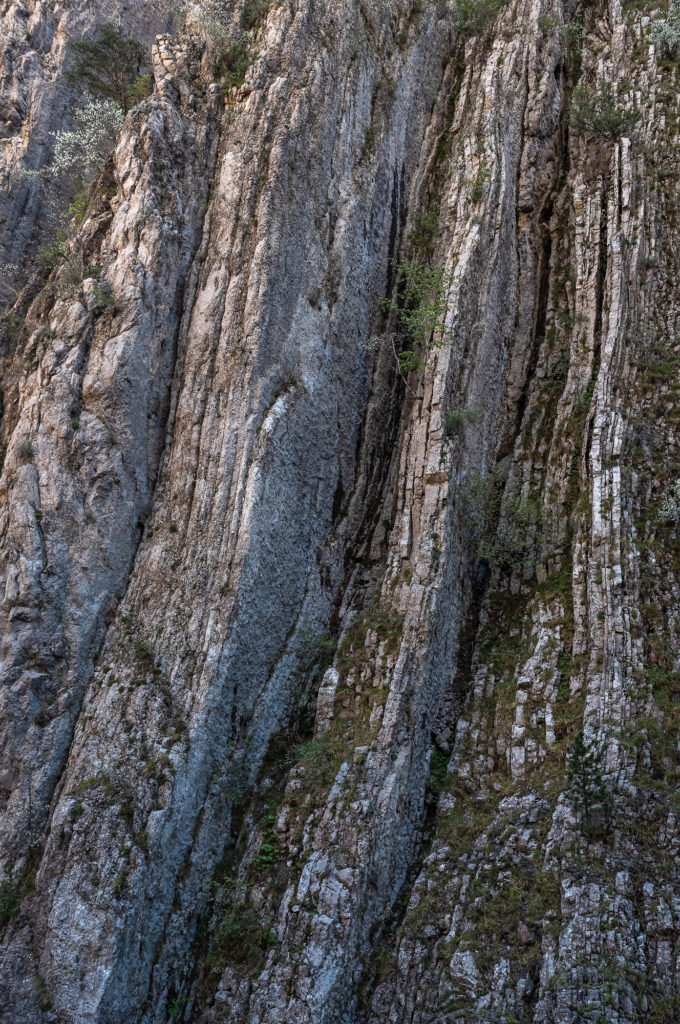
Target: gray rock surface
{"x":296,"y":645}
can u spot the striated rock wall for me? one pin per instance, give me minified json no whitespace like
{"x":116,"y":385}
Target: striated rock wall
{"x":296,"y":645}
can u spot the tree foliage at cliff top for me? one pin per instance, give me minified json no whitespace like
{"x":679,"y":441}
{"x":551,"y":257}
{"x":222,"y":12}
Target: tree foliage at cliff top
{"x":109,"y":65}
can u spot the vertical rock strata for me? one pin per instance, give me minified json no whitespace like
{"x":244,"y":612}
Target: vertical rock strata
{"x":223,"y":507}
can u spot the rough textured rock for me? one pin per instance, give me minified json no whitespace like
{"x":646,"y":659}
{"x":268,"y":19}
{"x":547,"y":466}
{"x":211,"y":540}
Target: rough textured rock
{"x":295,"y":645}
{"x":36,"y":100}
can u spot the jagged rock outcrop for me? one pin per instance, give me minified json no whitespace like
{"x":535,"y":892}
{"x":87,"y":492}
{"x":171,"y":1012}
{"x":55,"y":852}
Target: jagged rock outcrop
{"x":36,"y":100}
{"x":297,"y":638}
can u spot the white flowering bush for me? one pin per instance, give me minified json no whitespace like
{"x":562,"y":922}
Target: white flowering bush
{"x":666,"y":33}
{"x":209,"y":16}
{"x":669,"y":506}
{"x":80,"y":153}
{"x":83,"y":150}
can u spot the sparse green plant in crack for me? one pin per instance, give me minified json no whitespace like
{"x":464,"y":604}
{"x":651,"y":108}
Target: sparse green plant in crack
{"x":120,"y":881}
{"x":423,"y":232}
{"x":474,"y":17}
{"x":316,"y":649}
{"x":232,"y":63}
{"x":109,"y":65}
{"x":269,"y":847}
{"x":455,"y":420}
{"x":504,"y":528}
{"x":176,"y":1006}
{"x":42,"y":993}
{"x":144,"y":656}
{"x":9,"y":900}
{"x":477,"y":185}
{"x":103,"y":300}
{"x":597,"y":111}
{"x":437,"y":777}
{"x":243,"y":934}
{"x":255,"y":12}
{"x":321,"y":759}
{"x":586,"y":790}
{"x":50,"y":256}
{"x":25,"y":450}
{"x":418,"y":312}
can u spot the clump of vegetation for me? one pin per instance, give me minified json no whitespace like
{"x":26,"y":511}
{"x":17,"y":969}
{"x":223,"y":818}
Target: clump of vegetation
{"x":255,"y":12}
{"x":243,"y":934}
{"x":120,"y":881}
{"x":666,"y":33}
{"x":9,"y":900}
{"x":316,"y":649}
{"x":455,"y":420}
{"x":79,"y":154}
{"x":210,"y":17}
{"x":42,"y":993}
{"x":321,"y":759}
{"x":504,"y":528}
{"x":110,"y":66}
{"x":586,"y":790}
{"x":473,"y":17}
{"x":232,"y":63}
{"x":669,"y":506}
{"x":144,"y":656}
{"x":438,"y":768}
{"x":597,"y":111}
{"x":418,"y":310}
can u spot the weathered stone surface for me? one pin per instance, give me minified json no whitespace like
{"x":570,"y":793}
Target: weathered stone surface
{"x":295,"y":646}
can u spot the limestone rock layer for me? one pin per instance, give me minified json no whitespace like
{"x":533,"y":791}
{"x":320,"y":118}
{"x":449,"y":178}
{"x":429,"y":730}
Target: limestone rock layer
{"x":299,"y":637}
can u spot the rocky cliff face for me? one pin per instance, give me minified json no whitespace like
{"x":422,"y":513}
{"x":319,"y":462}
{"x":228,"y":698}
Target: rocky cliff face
{"x":300,"y":641}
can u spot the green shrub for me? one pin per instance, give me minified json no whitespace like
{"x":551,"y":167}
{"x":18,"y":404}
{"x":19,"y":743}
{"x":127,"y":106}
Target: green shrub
{"x":455,"y":419}
{"x":140,"y":89}
{"x":109,"y":65}
{"x":586,"y":790}
{"x":438,"y":768}
{"x":25,"y":450}
{"x":473,"y":17}
{"x":144,"y":656}
{"x":316,"y":649}
{"x":597,"y":112}
{"x":255,"y":12}
{"x":50,"y":256}
{"x":120,"y":881}
{"x":9,"y":901}
{"x":419,"y":313}
{"x":503,"y":527}
{"x":232,"y":63}
{"x":243,"y":935}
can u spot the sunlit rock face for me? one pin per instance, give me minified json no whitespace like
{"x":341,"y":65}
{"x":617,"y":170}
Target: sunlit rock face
{"x":338,"y":520}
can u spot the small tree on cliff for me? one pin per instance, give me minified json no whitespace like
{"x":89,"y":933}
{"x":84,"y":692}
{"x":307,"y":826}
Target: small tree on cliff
{"x":110,"y":66}
{"x":586,"y":790}
{"x":598,"y":112}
